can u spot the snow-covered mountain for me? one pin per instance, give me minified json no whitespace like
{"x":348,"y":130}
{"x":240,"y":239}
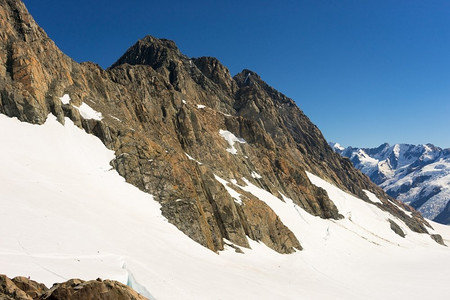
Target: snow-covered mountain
{"x":169,"y":175}
{"x":418,"y":175}
{"x":65,"y":213}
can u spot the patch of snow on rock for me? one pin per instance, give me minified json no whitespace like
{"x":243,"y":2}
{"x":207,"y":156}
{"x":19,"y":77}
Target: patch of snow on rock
{"x":256,"y":175}
{"x":235,"y":195}
{"x":115,"y":118}
{"x":65,"y":99}
{"x":231,"y":139}
{"x":88,"y":112}
{"x":193,"y":159}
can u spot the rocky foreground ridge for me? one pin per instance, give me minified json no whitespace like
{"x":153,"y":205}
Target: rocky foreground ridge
{"x":22,"y":288}
{"x":183,"y":129}
{"x":418,"y":175}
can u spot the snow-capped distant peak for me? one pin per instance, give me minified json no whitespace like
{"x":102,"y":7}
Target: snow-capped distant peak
{"x":416,"y":174}
{"x":336,"y":146}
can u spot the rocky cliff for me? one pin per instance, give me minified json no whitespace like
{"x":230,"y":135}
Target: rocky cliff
{"x":183,"y":129}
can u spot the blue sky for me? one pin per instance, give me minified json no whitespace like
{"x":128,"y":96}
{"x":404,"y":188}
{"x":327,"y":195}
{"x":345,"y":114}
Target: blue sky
{"x":365,"y":72}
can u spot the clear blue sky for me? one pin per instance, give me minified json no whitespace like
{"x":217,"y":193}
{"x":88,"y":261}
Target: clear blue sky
{"x":365,"y":72}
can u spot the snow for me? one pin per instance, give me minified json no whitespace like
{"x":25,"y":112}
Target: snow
{"x":246,"y":77}
{"x":235,"y":195}
{"x":408,"y":172}
{"x":115,"y":118}
{"x":438,"y":176}
{"x":193,"y":159}
{"x":367,"y":162}
{"x":64,"y":213}
{"x":85,"y":110}
{"x":256,"y":175}
{"x":88,"y":112}
{"x":199,"y":106}
{"x":396,"y":150}
{"x":337,"y":146}
{"x":231,"y":139}
{"x":372,"y":197}
{"x":226,"y":115}
{"x":65,"y":99}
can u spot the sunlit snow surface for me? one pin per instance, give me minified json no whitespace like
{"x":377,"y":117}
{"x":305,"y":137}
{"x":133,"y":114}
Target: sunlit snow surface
{"x":65,"y":214}
{"x":65,"y":99}
{"x":231,"y":139}
{"x":88,"y":112}
{"x":85,"y":110}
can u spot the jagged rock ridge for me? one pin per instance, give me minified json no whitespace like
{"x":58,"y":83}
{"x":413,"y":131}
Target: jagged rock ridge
{"x":418,"y":175}
{"x":163,"y":114}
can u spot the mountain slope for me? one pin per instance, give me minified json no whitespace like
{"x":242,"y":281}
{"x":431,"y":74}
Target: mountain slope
{"x":173,"y":123}
{"x":183,"y":159}
{"x":64,"y":213}
{"x":417,"y":175}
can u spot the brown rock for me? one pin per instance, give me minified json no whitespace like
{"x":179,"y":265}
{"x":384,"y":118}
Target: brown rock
{"x":264,"y":225}
{"x":76,"y":289}
{"x":30,"y":287}
{"x":9,"y":291}
{"x":149,"y":100}
{"x":21,"y":288}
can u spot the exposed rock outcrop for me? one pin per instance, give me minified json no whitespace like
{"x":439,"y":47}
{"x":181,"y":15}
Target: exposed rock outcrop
{"x":162,"y":115}
{"x":21,"y":288}
{"x":396,"y":228}
{"x":9,"y":290}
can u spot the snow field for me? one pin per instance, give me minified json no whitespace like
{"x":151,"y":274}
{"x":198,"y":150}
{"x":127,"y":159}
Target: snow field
{"x":65,"y":214}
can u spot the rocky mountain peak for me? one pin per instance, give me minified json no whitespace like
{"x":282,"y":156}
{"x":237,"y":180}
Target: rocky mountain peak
{"x":215,"y":71}
{"x":250,"y":82}
{"x":149,"y":51}
{"x":246,"y":78}
{"x":178,"y":124}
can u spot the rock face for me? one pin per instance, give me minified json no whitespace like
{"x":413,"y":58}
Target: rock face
{"x":418,"y":175}
{"x":9,"y":290}
{"x":21,"y":288}
{"x":77,"y":289}
{"x":177,"y":124}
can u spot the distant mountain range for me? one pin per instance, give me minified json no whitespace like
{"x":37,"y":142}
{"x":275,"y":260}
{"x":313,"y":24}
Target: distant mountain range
{"x":418,"y":175}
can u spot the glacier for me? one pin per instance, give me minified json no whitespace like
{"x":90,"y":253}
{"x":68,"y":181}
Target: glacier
{"x":65,"y":213}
